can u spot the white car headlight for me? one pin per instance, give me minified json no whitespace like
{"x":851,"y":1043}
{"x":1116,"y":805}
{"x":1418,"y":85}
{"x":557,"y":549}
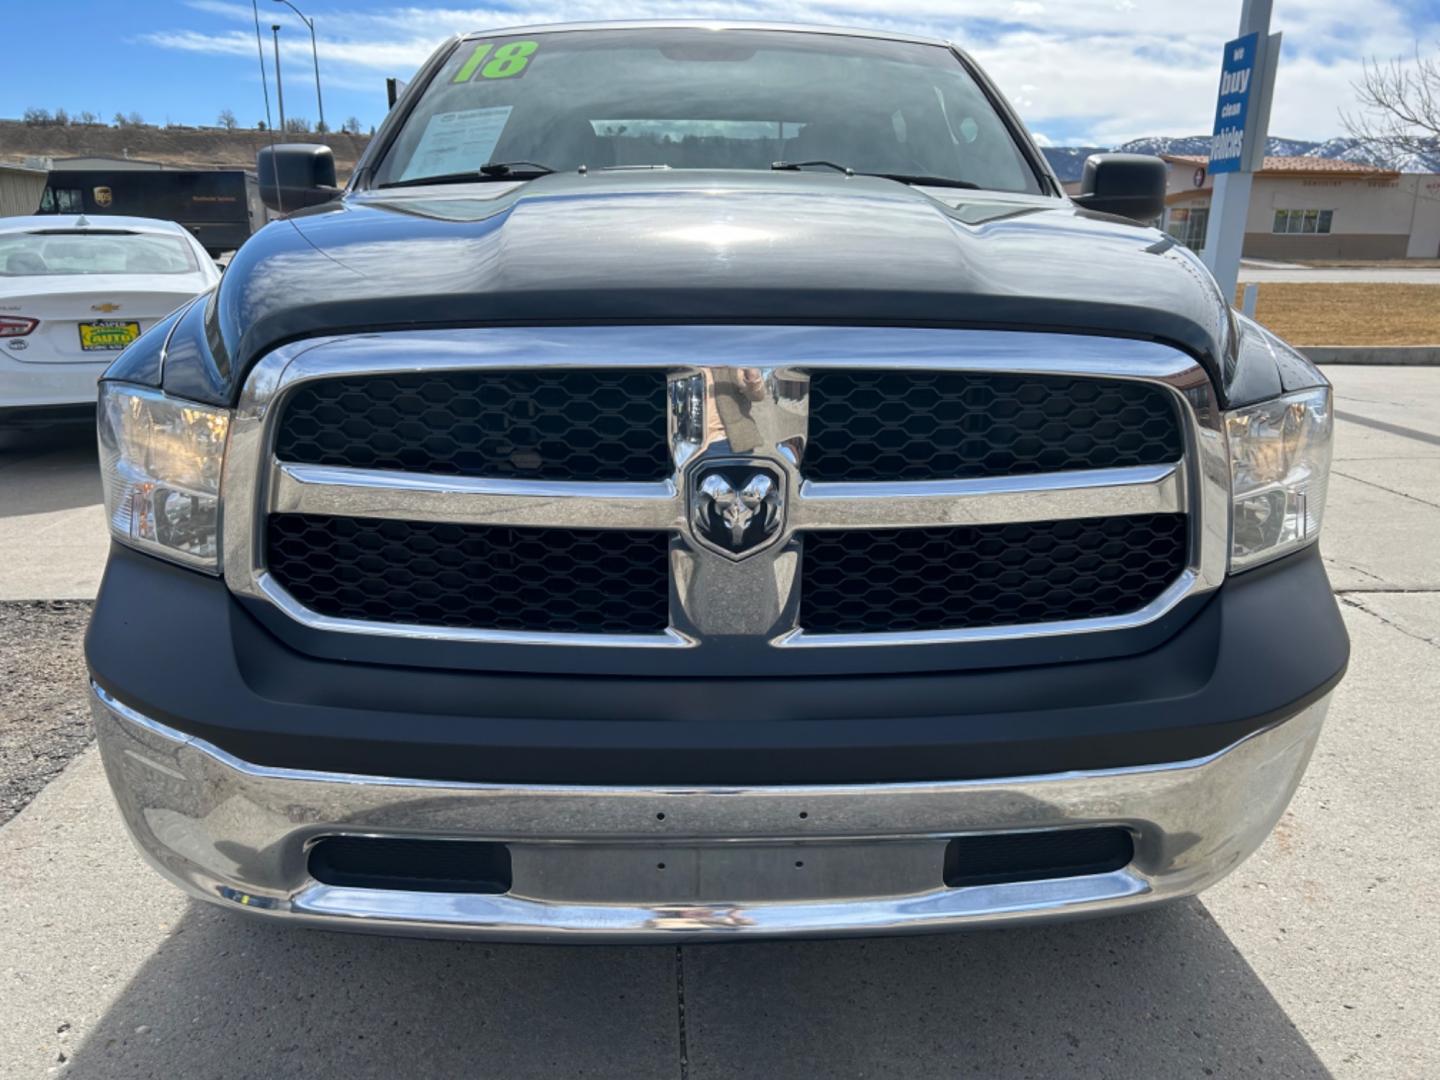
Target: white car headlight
{"x":160,"y":460}
{"x":1279,"y":470}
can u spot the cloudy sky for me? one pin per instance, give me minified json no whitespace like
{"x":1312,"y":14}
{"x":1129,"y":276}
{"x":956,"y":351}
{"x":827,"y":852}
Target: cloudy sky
{"x":1081,"y":71}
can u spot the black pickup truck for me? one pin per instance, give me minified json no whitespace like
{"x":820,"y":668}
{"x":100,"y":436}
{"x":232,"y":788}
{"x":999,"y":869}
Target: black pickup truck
{"x":708,"y":481}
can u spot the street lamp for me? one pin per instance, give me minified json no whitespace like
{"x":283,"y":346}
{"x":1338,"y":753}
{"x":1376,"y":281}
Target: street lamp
{"x":315,"y":52}
{"x":279,"y":88}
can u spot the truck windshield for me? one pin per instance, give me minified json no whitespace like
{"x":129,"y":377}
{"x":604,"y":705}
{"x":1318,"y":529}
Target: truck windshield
{"x":56,"y":252}
{"x":694,"y":98}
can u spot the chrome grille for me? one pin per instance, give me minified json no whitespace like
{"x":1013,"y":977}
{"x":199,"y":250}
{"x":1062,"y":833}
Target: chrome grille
{"x":742,"y":408}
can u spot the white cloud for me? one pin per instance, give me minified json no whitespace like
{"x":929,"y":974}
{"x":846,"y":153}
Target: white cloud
{"x":1101,"y":71}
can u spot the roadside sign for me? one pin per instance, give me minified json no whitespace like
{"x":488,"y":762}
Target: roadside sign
{"x":1237,"y":77}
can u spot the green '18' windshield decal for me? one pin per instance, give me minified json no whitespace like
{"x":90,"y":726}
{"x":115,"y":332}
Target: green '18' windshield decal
{"x":508,"y":62}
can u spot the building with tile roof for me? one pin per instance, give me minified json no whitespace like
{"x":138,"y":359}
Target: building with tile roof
{"x":1314,"y":208}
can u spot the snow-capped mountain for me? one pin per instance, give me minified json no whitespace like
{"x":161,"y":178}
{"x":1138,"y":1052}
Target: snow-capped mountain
{"x":1347,"y":149}
{"x":1068,"y":161}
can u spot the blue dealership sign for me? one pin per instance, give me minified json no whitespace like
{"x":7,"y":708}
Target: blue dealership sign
{"x":1237,"y":76}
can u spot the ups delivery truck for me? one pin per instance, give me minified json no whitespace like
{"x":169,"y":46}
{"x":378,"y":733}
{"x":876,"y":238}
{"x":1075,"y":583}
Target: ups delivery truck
{"x":220,"y":207}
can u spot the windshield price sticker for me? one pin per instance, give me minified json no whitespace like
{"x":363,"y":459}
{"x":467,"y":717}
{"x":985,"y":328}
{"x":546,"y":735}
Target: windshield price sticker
{"x":509,"y":61}
{"x":457,"y":141}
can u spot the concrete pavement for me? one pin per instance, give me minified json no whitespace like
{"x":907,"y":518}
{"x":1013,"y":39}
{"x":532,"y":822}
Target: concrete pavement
{"x":1335,"y":275}
{"x":1317,"y":957}
{"x":52,"y":523}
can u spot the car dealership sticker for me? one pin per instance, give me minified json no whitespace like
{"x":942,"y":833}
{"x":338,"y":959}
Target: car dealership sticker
{"x":509,"y":61}
{"x":456,"y":141}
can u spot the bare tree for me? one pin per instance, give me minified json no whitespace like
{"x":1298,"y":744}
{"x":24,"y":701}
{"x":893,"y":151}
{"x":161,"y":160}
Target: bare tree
{"x":88,"y":118}
{"x":134,"y":120}
{"x":227,"y":120}
{"x":1399,"y":104}
{"x":62,"y":118}
{"x":351,"y":126}
{"x":297,"y":125}
{"x":37,"y":117}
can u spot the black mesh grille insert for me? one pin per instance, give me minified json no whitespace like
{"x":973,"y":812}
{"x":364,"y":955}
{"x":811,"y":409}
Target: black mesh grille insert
{"x":875,"y":581}
{"x":920,"y":425}
{"x":487,"y":577}
{"x":543,"y":425}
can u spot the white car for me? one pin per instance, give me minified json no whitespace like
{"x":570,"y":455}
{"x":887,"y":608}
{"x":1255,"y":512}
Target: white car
{"x":74,"y":291}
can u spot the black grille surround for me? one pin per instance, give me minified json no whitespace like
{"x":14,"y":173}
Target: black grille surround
{"x":584,"y":425}
{"x":858,"y":581}
{"x":487,"y":577}
{"x":947,"y":425}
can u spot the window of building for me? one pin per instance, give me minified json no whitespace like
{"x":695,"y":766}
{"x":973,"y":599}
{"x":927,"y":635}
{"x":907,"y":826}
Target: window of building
{"x":1188,"y":226}
{"x":1303,"y":221}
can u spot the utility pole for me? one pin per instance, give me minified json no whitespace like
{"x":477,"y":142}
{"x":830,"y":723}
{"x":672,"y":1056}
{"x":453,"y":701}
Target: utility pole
{"x":279,"y":88}
{"x":1237,"y":148}
{"x":315,"y":53}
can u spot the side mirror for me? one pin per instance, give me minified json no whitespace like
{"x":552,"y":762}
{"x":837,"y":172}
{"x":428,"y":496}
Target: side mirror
{"x":295,"y":175}
{"x":1130,"y":185}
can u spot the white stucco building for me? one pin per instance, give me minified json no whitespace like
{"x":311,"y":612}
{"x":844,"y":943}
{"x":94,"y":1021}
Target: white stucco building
{"x":1315,"y":208}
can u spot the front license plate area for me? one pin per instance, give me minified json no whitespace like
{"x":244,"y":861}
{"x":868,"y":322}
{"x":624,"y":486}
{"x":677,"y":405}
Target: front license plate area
{"x":107,"y":335}
{"x":719,"y":873}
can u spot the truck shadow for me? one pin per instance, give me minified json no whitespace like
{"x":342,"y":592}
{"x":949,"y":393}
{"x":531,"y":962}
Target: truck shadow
{"x":1163,"y":993}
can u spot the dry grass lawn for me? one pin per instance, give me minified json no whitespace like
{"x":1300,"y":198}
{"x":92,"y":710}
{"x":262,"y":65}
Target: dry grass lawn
{"x":1349,"y":314}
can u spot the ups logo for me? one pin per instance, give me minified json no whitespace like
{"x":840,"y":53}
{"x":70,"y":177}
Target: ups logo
{"x":103,"y":197}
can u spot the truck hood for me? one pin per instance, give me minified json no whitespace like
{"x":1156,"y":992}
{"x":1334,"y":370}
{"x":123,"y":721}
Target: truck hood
{"x":694,"y":246}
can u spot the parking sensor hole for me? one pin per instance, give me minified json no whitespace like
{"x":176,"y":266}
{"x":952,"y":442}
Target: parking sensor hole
{"x":660,"y":817}
{"x":659,"y":866}
{"x":799,"y":863}
{"x":804,"y":814}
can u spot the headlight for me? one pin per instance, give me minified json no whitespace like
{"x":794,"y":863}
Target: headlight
{"x":1279,"y":469}
{"x":160,"y":460}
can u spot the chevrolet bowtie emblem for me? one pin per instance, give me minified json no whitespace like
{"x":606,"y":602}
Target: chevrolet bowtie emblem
{"x":737,"y":508}
{"x":105,"y":308}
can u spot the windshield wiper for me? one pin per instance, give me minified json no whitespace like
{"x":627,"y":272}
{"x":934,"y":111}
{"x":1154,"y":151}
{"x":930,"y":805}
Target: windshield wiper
{"x":796,"y":166}
{"x":902,"y":178}
{"x":515,"y":170}
{"x":496,"y":170}
{"x":925,"y":181}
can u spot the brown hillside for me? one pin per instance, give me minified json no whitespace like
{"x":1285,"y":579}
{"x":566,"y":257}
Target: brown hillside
{"x":179,"y":146}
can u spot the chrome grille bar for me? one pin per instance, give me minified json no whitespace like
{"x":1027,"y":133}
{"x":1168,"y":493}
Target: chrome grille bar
{"x":1146,"y":489}
{"x":374,"y":493}
{"x":366,"y":493}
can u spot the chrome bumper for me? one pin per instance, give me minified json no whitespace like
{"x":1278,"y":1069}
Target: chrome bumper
{"x":648,"y":864}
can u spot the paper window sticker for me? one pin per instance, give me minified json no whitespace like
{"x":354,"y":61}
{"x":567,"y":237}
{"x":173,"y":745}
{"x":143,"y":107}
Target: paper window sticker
{"x":458,"y":141}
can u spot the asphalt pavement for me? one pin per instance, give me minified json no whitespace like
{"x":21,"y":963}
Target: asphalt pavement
{"x":1320,"y":956}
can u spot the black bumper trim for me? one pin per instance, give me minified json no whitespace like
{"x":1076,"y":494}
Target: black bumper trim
{"x":175,"y":645}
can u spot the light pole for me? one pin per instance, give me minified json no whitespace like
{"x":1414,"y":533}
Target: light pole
{"x":264,"y":79}
{"x":279,"y":89}
{"x":315,"y":52}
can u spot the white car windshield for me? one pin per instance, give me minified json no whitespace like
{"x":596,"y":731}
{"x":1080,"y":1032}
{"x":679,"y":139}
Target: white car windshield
{"x":93,"y":251}
{"x":702,"y":99}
